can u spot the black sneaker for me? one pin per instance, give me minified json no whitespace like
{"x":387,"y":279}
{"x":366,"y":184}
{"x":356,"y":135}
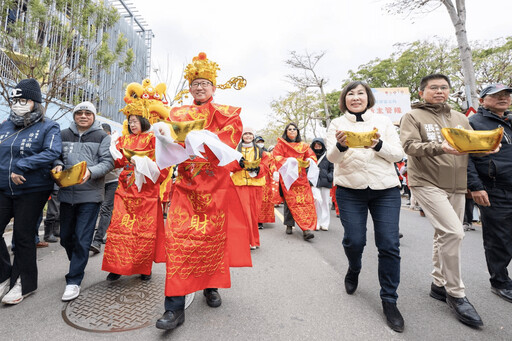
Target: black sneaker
{"x":289,"y":229}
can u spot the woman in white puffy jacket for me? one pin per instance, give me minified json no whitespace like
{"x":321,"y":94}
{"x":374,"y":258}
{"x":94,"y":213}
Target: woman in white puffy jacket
{"x":366,"y":180}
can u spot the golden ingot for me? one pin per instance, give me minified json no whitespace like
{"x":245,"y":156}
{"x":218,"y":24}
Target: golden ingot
{"x":179,"y":130}
{"x":303,"y":163}
{"x":252,"y":164}
{"x":128,"y":153}
{"x":70,"y":176}
{"x":360,"y":140}
{"x":473,"y":141}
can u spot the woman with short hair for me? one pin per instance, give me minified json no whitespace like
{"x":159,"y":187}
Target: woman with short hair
{"x":366,"y":181}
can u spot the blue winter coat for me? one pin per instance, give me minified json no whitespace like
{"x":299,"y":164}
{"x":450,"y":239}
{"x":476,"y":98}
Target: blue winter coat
{"x":30,"y":152}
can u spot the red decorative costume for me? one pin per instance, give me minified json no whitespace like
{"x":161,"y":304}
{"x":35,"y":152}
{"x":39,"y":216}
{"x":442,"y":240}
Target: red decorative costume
{"x":250,"y":190}
{"x":204,"y":235}
{"x":267,"y":203}
{"x":136,"y":232}
{"x":299,"y":197}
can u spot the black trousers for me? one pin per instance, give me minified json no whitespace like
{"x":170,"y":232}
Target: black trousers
{"x":497,"y":235}
{"x":25,"y":209}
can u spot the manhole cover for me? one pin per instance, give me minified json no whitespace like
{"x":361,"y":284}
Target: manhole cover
{"x":122,"y":305}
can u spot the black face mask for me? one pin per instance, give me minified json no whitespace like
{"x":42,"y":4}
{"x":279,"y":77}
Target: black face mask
{"x":319,"y":152}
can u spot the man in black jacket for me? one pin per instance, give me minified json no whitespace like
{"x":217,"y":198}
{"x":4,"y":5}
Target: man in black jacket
{"x":491,"y":186}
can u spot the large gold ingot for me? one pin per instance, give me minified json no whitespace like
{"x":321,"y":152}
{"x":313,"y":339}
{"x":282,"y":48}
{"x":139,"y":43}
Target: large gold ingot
{"x":179,"y":130}
{"x":303,"y":163}
{"x":473,"y":141}
{"x":128,"y":153}
{"x":252,"y":164}
{"x":360,"y":140}
{"x":71,"y":176}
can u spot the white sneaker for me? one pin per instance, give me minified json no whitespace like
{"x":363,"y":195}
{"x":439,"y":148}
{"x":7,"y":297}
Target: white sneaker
{"x":4,"y":286}
{"x":14,"y":295}
{"x":72,"y":291}
{"x":324,"y":228}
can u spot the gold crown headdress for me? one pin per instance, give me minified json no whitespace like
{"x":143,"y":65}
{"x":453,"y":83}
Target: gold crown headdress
{"x":146,"y":101}
{"x":202,"y":67}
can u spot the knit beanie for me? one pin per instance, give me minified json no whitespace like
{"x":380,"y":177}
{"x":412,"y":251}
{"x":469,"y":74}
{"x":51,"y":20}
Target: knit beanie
{"x":28,"y":89}
{"x":85,"y":106}
{"x":248,"y":130}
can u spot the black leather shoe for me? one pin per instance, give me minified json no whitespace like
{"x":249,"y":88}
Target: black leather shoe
{"x":393,"y":317}
{"x":351,"y":280}
{"x":145,"y":277}
{"x":289,"y":229}
{"x":171,"y":319}
{"x":212,"y":297}
{"x":113,"y":277}
{"x":439,"y":293}
{"x":307,"y":235}
{"x":506,"y":294}
{"x":464,"y":311}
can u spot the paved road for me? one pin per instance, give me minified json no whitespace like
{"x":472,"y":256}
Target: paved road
{"x":293,"y":292}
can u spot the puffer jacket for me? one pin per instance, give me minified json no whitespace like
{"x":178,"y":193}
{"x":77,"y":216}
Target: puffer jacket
{"x":428,"y":164}
{"x":491,"y":170}
{"x":29,"y":152}
{"x":325,"y":167}
{"x":93,"y":147}
{"x":360,"y":168}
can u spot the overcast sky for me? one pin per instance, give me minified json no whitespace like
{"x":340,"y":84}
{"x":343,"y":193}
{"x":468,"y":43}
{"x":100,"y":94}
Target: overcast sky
{"x":254,"y":38}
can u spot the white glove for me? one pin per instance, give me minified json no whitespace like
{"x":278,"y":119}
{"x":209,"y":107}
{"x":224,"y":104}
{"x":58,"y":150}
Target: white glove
{"x":276,"y":176}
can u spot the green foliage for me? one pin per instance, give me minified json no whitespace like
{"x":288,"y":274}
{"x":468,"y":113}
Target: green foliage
{"x":298,"y":107}
{"x":128,"y":61}
{"x":53,"y":48}
{"x":333,"y":101}
{"x":410,"y":62}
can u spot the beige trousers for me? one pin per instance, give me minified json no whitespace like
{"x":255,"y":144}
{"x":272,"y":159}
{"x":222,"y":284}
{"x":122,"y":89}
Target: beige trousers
{"x":445,"y":212}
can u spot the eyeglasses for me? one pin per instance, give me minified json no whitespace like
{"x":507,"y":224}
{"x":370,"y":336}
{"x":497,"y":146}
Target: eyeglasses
{"x":291,"y":129}
{"x":83,"y":112}
{"x":21,"y":101}
{"x":437,"y":88}
{"x":132,"y":122}
{"x":202,"y":84}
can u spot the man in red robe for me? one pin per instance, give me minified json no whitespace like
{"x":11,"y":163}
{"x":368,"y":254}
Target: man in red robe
{"x":204,"y":237}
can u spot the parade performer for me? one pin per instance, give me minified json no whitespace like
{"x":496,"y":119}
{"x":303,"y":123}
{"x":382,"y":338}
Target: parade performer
{"x":203,"y":237}
{"x":291,"y":155}
{"x":136,"y":233}
{"x":267,"y":202}
{"x":250,"y":181}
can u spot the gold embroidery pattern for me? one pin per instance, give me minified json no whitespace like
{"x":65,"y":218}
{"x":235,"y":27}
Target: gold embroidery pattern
{"x":303,"y":204}
{"x":199,"y":201}
{"x":132,"y":243}
{"x":195,"y":251}
{"x":230,"y":128}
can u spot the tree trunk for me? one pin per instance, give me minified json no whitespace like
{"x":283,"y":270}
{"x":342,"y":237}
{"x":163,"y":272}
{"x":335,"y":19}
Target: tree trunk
{"x":326,"y":107}
{"x":458,"y":17}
